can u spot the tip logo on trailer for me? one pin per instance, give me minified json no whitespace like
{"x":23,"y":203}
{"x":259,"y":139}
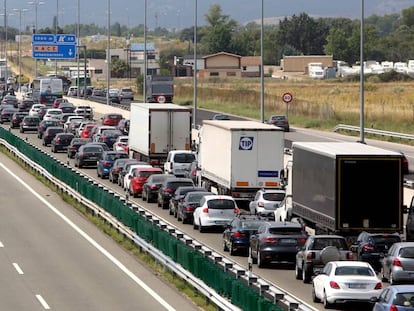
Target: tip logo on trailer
{"x":246,"y":143}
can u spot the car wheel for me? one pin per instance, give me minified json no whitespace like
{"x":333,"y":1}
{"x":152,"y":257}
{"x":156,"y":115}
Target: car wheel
{"x":260,"y":261}
{"x":314,"y":297}
{"x":225,"y":248}
{"x":201,"y":228}
{"x":232,"y":250}
{"x":326,"y":303}
{"x":195,"y":227}
{"x":306,"y":275}
{"x":144,"y":196}
{"x":252,"y":259}
{"x":298,"y":272}
{"x":383,"y":278}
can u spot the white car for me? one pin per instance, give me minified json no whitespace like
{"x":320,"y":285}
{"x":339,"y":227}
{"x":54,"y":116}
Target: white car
{"x":345,"y":281}
{"x":35,"y":109}
{"x":121,"y":143}
{"x":215,"y":211}
{"x":284,"y":211}
{"x":266,"y":201}
{"x":53,"y":113}
{"x":70,"y":119}
{"x":128,"y":175}
{"x":178,"y":162}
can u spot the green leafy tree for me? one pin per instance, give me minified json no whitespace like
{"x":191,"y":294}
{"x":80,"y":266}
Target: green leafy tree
{"x":119,"y":68}
{"x":219,"y":31}
{"x":408,"y":16}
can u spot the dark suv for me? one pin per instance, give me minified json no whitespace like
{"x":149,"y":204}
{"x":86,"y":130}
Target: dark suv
{"x":50,"y":133}
{"x":29,"y":124}
{"x":168,"y":187}
{"x":371,"y":247}
{"x":317,"y":251}
{"x":178,"y":196}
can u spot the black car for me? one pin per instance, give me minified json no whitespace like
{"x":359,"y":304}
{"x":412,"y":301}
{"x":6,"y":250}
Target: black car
{"x":44,"y":124}
{"x":6,"y":114}
{"x":29,"y":124}
{"x":151,"y":186}
{"x":25,"y":104}
{"x":109,"y":137}
{"x":61,"y":141}
{"x":168,"y":187}
{"x":371,"y":247}
{"x":74,"y":145}
{"x":276,"y":242}
{"x":188,"y":204}
{"x":17,"y":118}
{"x":117,"y":167}
{"x":178,"y":196}
{"x":88,"y":154}
{"x":236,"y":237}
{"x":50,"y":133}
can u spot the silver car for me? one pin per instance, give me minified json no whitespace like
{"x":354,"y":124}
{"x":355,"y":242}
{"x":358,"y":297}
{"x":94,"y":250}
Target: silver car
{"x":398,"y":263}
{"x":266,"y":201}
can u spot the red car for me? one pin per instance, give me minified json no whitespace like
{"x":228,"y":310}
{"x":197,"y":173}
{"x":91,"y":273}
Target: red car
{"x":139,"y":178}
{"x":87,"y":130}
{"x":112,"y":119}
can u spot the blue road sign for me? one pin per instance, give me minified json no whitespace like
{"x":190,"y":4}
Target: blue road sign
{"x":60,"y":46}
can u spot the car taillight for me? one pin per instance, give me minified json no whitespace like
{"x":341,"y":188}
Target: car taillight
{"x":194,"y":172}
{"x":368,"y":247}
{"x":116,"y":169}
{"x":393,"y":308}
{"x":349,"y":256}
{"x":57,"y":140}
{"x":301,"y":240}
{"x":334,"y":285}
{"x":310,"y":255}
{"x":168,"y":190}
{"x":153,"y":187}
{"x":269,"y":240}
{"x":236,"y":210}
{"x":106,"y":163}
{"x":260,"y":204}
{"x":104,"y":137}
{"x":239,"y":234}
{"x":396,"y":263}
{"x":378,"y":286}
{"x":188,"y":208}
{"x":205,"y":210}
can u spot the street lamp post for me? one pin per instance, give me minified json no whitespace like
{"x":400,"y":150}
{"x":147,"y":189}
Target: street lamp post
{"x":36,"y":4}
{"x":144,"y":89}
{"x":20,"y":46}
{"x":361,"y":78}
{"x":108,"y":55}
{"x":261,"y":67}
{"x":77,"y":50}
{"x":195,"y":67}
{"x":56,"y":32}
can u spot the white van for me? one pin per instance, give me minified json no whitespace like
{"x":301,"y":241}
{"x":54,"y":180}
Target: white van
{"x":179,"y":162}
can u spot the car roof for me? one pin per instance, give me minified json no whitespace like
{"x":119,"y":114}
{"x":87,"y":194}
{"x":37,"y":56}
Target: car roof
{"x":404,"y":244}
{"x":281,"y":224}
{"x":215,"y":196}
{"x":354,"y":263}
{"x":402,"y":288}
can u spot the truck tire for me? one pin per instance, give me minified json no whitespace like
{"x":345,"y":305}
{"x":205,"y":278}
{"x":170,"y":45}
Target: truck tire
{"x":330,"y":253}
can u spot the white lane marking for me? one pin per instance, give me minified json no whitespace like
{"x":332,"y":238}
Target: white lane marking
{"x":1,"y":244}
{"x":95,"y":244}
{"x":17,"y":267}
{"x":43,"y":302}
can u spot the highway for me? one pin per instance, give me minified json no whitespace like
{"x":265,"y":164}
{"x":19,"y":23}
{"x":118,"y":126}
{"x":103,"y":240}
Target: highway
{"x":281,"y":276}
{"x":52,"y":258}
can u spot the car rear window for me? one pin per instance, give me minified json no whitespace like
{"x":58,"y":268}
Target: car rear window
{"x":407,"y":252}
{"x":386,"y":239}
{"x":148,"y":173}
{"x":285,"y":231}
{"x":251,"y":225}
{"x":354,"y":271}
{"x":196,"y":197}
{"x":274,"y":196}
{"x":321,"y":243}
{"x":184,"y":157}
{"x":175,"y":185}
{"x":221,"y":204}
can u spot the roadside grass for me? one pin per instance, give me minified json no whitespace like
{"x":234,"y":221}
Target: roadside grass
{"x":134,"y":250}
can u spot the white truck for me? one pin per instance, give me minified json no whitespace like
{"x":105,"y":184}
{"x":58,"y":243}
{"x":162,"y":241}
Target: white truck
{"x":155,"y":129}
{"x":238,"y":158}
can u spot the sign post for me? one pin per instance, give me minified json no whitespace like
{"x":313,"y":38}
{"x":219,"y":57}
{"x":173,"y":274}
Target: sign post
{"x":49,"y":46}
{"x":287,"y":98}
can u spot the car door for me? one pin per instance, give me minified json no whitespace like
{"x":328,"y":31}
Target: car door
{"x":319,"y":280}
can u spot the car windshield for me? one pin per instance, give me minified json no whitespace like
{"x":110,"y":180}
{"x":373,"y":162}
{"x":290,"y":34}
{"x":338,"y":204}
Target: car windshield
{"x":196,"y":197}
{"x":221,"y":204}
{"x":354,"y":270}
{"x":385,"y":239}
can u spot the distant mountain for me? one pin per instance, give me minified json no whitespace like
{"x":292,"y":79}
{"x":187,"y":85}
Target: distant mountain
{"x":180,"y":13}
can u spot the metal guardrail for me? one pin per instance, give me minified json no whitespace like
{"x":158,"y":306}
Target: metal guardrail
{"x":269,"y":291}
{"x":344,"y":127}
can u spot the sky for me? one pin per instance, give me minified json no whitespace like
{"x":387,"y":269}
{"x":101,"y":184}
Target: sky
{"x":178,"y":14}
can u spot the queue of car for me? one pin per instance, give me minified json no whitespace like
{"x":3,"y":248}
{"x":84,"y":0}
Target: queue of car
{"x":337,"y":272}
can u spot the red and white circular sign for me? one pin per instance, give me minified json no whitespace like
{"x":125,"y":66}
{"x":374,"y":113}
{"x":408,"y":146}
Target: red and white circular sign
{"x":287,"y":98}
{"x":161,"y":99}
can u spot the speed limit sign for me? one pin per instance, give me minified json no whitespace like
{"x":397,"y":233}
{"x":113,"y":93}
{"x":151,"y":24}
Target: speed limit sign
{"x":287,"y":98}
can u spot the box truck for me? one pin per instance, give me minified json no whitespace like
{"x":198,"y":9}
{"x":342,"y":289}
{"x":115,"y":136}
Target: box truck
{"x":238,"y":158}
{"x":345,"y":187}
{"x":155,"y":129}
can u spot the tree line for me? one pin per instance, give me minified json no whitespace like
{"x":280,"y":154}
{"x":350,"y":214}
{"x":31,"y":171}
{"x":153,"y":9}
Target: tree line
{"x":389,"y":37}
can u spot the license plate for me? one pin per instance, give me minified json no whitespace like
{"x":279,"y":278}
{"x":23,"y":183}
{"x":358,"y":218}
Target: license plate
{"x":356,"y":286}
{"x":288,"y":241}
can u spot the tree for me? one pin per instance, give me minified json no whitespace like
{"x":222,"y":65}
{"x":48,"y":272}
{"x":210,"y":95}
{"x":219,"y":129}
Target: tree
{"x":408,"y":16}
{"x":219,"y":31}
{"x":119,"y":68}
